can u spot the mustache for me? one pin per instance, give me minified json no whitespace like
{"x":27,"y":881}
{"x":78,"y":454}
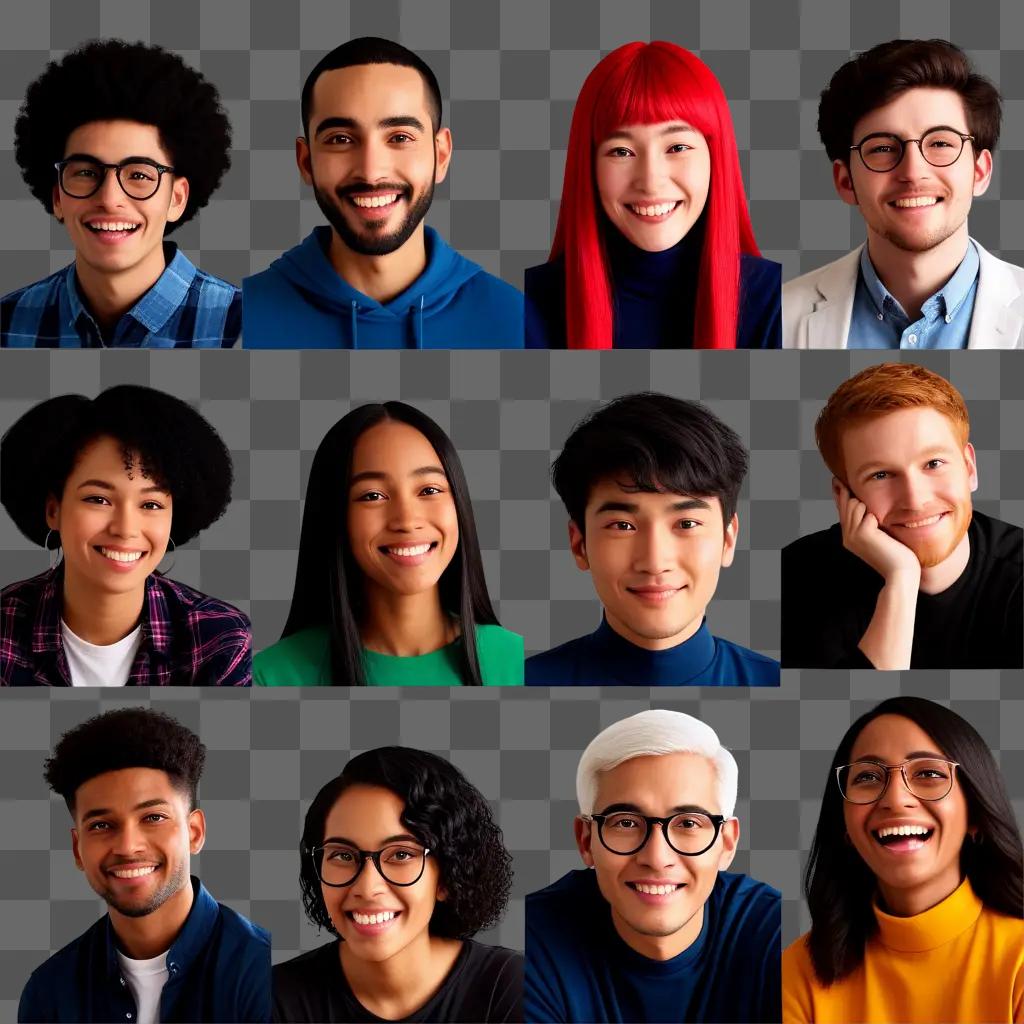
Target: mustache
{"x":358,"y":189}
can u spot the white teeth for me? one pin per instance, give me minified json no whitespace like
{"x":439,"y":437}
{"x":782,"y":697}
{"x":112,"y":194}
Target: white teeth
{"x":121,"y":556}
{"x":922,"y":522}
{"x":132,"y":872}
{"x":387,"y":915}
{"x":112,"y":226}
{"x":902,"y":830}
{"x":369,"y":202}
{"x":655,"y":890}
{"x":904,"y":204}
{"x":659,"y":210}
{"x":419,"y":549}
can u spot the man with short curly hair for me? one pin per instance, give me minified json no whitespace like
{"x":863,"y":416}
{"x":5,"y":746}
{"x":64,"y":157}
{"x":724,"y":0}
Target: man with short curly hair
{"x":166,"y":951}
{"x":122,"y":143}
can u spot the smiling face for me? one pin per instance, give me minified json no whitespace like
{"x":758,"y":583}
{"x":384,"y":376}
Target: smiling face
{"x":913,"y":873}
{"x":916,"y":206}
{"x":372,"y":155}
{"x":133,"y":837}
{"x":402,"y":522}
{"x":657,"y":895}
{"x":915,"y":477}
{"x":111,"y":232}
{"x":376,"y":919}
{"x":653,"y":181}
{"x":114,"y":521}
{"x":654,"y":559}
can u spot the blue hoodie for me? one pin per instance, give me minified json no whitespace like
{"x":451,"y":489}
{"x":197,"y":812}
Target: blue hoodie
{"x":299,"y":301}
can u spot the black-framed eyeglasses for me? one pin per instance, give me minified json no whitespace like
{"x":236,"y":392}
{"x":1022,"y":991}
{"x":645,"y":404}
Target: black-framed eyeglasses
{"x":927,"y":778}
{"x":83,"y":176}
{"x":626,"y":832}
{"x":339,"y":864}
{"x":940,"y":146}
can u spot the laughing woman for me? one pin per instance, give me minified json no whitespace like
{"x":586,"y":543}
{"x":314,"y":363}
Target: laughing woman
{"x":389,"y":587}
{"x":402,"y":862}
{"x":112,"y":483}
{"x":914,"y":879}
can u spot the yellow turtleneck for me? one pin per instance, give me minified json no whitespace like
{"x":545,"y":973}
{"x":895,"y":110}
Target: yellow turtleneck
{"x":958,"y":961}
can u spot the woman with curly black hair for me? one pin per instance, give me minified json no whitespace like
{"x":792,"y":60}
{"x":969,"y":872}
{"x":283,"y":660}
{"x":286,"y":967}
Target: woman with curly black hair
{"x":112,"y":483}
{"x":122,"y":143}
{"x":403,"y":862}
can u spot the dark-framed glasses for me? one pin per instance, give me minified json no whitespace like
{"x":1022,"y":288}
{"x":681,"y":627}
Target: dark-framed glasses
{"x":927,"y":778}
{"x":940,"y":146}
{"x":83,"y":176}
{"x":339,"y":864}
{"x":626,"y":832}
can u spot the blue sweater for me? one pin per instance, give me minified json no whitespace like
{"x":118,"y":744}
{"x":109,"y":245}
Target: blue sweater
{"x":603,"y":658}
{"x":579,"y":969}
{"x":218,"y":970}
{"x":654,"y":296}
{"x":299,"y":301}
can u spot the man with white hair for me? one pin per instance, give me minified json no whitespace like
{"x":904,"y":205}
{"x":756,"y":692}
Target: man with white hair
{"x":659,"y":930}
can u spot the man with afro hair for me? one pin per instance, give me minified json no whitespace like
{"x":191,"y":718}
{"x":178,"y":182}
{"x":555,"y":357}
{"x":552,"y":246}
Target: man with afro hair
{"x":166,"y":950}
{"x":122,"y":143}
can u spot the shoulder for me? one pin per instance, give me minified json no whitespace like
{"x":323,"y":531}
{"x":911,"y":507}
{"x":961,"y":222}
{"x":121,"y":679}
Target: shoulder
{"x":560,"y":665}
{"x":545,"y":277}
{"x":54,"y":972}
{"x":216,"y":288}
{"x":814,"y":545}
{"x":23,"y":311}
{"x":238,"y":932}
{"x":992,"y":265}
{"x":295,"y":660}
{"x":39,"y":293}
{"x":1004,"y":540}
{"x":758,"y":274}
{"x":842,"y":270}
{"x":306,"y":966}
{"x":299,"y":984}
{"x":498,"y":293}
{"x":24,"y":593}
{"x":185,"y":600}
{"x":566,"y":891}
{"x":797,"y":968}
{"x":562,"y":918}
{"x":544,"y":288}
{"x":493,"y":963}
{"x":747,"y":667}
{"x":501,"y":651}
{"x":759,"y":899}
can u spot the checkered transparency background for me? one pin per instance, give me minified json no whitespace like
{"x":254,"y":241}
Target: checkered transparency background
{"x":509,"y":75}
{"x":271,"y":751}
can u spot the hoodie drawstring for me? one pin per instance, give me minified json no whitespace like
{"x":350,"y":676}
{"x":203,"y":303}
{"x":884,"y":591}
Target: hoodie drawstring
{"x":355,"y":330}
{"x":418,"y":324}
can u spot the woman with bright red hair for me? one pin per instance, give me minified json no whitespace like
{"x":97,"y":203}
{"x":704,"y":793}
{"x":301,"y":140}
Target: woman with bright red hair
{"x":653,"y":247}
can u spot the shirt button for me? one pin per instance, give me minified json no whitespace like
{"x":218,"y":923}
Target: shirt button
{"x":912,"y":339}
{"x":949,"y":318}
{"x":881,"y":316}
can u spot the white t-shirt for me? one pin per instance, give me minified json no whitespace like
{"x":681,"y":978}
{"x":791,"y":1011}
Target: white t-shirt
{"x":146,"y":979}
{"x":107,"y":665}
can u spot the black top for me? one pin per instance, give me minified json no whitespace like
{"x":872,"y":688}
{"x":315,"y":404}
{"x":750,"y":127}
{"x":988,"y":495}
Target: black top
{"x":829,"y":595}
{"x":485,"y":984}
{"x":654,"y":298}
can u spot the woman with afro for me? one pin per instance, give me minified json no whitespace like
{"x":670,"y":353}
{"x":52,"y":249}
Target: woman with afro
{"x":112,"y":484}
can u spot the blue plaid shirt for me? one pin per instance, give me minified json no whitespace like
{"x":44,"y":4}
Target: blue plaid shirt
{"x":186,"y":308}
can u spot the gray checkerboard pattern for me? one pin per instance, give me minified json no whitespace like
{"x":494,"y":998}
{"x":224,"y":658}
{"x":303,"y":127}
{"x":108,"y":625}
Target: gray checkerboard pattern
{"x":270,"y":751}
{"x":509,"y":75}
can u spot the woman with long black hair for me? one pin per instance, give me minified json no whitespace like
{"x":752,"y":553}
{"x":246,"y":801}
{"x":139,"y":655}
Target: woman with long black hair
{"x":389,"y":588}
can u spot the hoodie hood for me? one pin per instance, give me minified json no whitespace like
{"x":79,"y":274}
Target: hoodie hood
{"x":308,"y":270}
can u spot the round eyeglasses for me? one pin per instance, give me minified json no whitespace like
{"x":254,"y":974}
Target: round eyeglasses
{"x":927,"y":778}
{"x":625,"y":833}
{"x":82,"y":176}
{"x":339,"y":864}
{"x":940,"y":146}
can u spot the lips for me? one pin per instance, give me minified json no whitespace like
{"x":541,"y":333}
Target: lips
{"x":922,"y":523}
{"x":409,"y":554}
{"x":649,"y":210}
{"x":372,"y":922}
{"x":914,"y":202}
{"x":903,"y":838}
{"x":655,"y":595}
{"x":132,"y":872}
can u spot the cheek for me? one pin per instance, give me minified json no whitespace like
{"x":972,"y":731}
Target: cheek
{"x":610,"y":182}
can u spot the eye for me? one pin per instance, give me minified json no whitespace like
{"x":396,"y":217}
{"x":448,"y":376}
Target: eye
{"x":689,"y":524}
{"x":619,"y":151}
{"x":98,"y":826}
{"x":621,"y":526}
{"x":336,"y":139}
{"x":881,"y":474}
{"x":430,"y":490}
{"x":402,"y":137}
{"x":625,"y":823}
{"x":152,"y":506}
{"x":679,"y":147}
{"x":96,"y":499}
{"x":934,"y":463}
{"x":155,"y":818}
{"x":339,"y":855}
{"x":371,"y":496}
{"x":881,"y":147}
{"x":867,"y":776}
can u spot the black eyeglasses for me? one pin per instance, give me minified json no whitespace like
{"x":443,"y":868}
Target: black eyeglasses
{"x":927,"y":778}
{"x":338,"y":864}
{"x":626,"y":832}
{"x":940,"y":146}
{"x":82,"y":176}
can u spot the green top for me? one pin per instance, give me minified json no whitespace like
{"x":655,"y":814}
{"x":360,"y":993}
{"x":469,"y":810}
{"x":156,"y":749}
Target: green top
{"x":303,"y":659}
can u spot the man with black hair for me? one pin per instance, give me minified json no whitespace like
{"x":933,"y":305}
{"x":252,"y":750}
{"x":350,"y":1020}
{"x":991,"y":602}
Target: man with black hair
{"x":910,"y":128}
{"x":651,"y":485}
{"x":373,"y":149}
{"x":166,"y":951}
{"x":122,"y":143}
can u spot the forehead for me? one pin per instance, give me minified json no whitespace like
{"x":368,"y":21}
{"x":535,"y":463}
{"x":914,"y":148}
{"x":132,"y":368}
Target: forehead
{"x":653,"y":504}
{"x":106,"y":458}
{"x":914,"y":111}
{"x":365,"y":814}
{"x":125,"y":788}
{"x":656,"y":783}
{"x":892,"y":737}
{"x":393,"y":448}
{"x":113,"y":141}
{"x":897,"y":435}
{"x":368,"y":93}
{"x":651,"y":132}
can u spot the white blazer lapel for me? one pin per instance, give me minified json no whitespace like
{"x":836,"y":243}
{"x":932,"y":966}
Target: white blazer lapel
{"x":828,"y":326}
{"x":998,"y":319}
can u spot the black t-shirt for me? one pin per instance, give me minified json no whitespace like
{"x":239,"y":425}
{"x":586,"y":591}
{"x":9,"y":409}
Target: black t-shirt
{"x":485,"y":984}
{"x":829,"y":595}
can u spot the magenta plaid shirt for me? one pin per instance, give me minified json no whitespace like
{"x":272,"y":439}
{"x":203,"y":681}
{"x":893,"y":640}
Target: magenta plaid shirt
{"x":188,"y":639}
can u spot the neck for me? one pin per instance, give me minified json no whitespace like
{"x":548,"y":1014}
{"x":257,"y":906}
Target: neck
{"x":661,"y":947}
{"x":910,"y":902}
{"x":143,"y":938}
{"x":406,"y":625}
{"x":395,"y":988}
{"x":653,"y":643}
{"x":110,"y":295}
{"x":913,"y":277}
{"x":380,"y":277}
{"x":937,"y":578}
{"x":100,"y":618}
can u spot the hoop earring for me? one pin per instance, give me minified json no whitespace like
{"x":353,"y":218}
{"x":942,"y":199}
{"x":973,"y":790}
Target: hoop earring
{"x":164,"y":572}
{"x":54,"y":562}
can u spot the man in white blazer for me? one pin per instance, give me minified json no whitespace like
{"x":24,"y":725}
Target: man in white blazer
{"x":910,"y":128}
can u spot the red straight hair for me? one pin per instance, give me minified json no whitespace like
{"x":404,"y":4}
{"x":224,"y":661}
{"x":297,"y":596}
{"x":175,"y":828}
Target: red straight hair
{"x":648,"y":83}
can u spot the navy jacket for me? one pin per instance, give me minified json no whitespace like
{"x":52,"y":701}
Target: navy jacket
{"x":218,"y":967}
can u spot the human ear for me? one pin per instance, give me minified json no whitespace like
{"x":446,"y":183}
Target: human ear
{"x":982,"y":172}
{"x":972,"y":466}
{"x":179,"y":199}
{"x":52,"y":513}
{"x":582,"y":830}
{"x":196,"y":831}
{"x":58,"y":205}
{"x":730,"y":838}
{"x":732,"y":531}
{"x":578,"y":546}
{"x":303,"y":159}
{"x":74,"y":850}
{"x":843,"y":181}
{"x":443,"y":150}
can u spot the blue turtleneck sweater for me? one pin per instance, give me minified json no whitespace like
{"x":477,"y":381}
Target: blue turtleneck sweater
{"x":603,"y":658}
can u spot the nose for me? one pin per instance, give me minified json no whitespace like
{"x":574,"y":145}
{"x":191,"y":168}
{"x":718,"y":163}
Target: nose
{"x":110,"y":194}
{"x":653,"y":550}
{"x":125,"y":521}
{"x":656,"y":852}
{"x":913,"y":165}
{"x":404,"y":514}
{"x":914,"y":493}
{"x":374,"y":161}
{"x":370,"y":882}
{"x":649,"y":172}
{"x":128,"y":839}
{"x":897,"y":793}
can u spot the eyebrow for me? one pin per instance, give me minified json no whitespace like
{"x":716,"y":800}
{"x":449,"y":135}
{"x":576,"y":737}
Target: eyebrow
{"x":101,"y":812}
{"x":400,"y":838}
{"x":107,"y":486}
{"x":625,"y":133}
{"x":681,"y":809}
{"x":877,"y":464}
{"x":350,"y":123}
{"x":379,"y":474}
{"x":914,"y":753}
{"x":125,"y":160}
{"x":686,"y":505}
